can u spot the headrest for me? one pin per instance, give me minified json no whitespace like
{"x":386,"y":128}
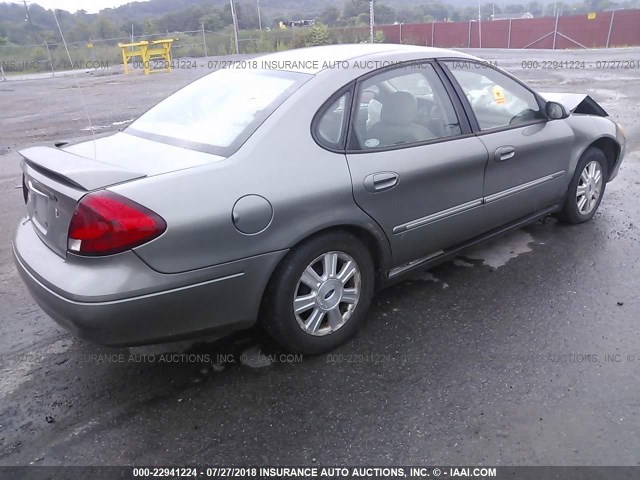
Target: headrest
{"x":399,"y":108}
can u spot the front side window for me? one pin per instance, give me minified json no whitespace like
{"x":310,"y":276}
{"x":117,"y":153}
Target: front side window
{"x":403,"y":106}
{"x":218,"y":112}
{"x":496,"y":100}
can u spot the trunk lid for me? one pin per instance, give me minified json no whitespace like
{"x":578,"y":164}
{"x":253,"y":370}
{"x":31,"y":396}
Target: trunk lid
{"x":77,"y":171}
{"x":56,"y":179}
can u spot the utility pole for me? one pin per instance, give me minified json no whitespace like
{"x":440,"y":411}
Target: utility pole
{"x":555,"y":32}
{"x":613,"y":14}
{"x":479,"y":25}
{"x":53,"y":73}
{"x":371,"y":20}
{"x":234,"y":18}
{"x":259,"y":16}
{"x":26,"y":9}
{"x":204,"y":41}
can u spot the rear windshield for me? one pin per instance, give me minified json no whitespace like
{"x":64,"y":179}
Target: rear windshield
{"x":218,"y":113}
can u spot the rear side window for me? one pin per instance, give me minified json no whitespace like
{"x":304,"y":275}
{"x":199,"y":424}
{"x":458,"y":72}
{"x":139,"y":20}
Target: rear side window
{"x":331,"y":124}
{"x":403,"y":107}
{"x":219,"y":112}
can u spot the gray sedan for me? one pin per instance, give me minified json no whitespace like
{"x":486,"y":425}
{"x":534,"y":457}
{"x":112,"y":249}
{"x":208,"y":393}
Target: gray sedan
{"x":286,"y":191}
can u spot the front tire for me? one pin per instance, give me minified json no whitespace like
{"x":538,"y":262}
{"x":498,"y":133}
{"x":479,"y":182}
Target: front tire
{"x":586,"y":188}
{"x":320,"y":293}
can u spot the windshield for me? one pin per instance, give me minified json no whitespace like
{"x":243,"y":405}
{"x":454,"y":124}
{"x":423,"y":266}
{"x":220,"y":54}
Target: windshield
{"x":219,"y":112}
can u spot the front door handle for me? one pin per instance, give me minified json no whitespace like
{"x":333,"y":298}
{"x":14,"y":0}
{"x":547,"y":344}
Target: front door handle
{"x":505,"y":153}
{"x":381,"y":181}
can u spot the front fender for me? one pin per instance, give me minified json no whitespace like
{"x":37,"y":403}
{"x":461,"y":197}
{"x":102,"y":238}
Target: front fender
{"x":590,"y":130}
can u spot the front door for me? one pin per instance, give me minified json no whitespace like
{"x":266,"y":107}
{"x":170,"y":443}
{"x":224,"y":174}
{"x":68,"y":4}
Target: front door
{"x":528,"y":167}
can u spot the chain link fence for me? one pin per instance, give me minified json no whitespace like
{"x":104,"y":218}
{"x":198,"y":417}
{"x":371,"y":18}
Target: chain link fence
{"x":605,"y":29}
{"x":105,"y":53}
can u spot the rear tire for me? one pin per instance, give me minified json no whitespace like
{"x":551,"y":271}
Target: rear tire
{"x":586,"y":188}
{"x":319,"y":295}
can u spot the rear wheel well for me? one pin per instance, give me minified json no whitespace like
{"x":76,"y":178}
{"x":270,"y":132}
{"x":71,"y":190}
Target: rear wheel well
{"x":373,"y":245}
{"x":611,"y":150}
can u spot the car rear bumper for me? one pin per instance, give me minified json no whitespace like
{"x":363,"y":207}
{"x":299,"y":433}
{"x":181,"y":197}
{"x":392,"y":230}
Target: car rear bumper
{"x":120,"y":301}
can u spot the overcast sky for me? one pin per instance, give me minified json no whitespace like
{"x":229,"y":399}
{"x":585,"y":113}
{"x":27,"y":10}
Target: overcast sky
{"x":91,"y":6}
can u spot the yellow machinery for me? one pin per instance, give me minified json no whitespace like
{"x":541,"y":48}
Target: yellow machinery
{"x":159,"y":51}
{"x":132,"y":50}
{"x":156,"y":52}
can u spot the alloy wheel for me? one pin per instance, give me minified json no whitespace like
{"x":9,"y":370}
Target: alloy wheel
{"x":327,"y":293}
{"x":589,"y":188}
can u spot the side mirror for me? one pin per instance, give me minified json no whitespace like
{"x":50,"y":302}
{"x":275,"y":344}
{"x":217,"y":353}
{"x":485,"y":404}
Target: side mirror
{"x":555,"y":111}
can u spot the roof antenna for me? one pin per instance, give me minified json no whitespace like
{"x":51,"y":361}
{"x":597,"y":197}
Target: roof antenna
{"x":75,"y":76}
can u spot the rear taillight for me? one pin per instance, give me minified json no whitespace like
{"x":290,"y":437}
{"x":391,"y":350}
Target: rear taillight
{"x":105,"y":223}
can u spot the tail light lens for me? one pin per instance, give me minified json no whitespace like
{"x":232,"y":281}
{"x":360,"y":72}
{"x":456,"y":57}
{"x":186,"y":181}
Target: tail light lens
{"x":105,"y":223}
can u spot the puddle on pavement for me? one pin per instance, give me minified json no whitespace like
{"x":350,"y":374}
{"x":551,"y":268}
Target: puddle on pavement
{"x":494,"y":254}
{"x":247,"y":349}
{"x":458,"y":262}
{"x":253,"y":357}
{"x":427,"y":276}
{"x":497,"y":253}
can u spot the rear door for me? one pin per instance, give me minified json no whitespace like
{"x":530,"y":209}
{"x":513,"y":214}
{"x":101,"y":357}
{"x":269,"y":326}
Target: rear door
{"x":416,"y":168}
{"x":529,"y":155}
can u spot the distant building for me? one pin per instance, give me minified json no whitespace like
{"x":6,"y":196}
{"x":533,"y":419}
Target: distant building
{"x":511,"y":16}
{"x":297,"y":23}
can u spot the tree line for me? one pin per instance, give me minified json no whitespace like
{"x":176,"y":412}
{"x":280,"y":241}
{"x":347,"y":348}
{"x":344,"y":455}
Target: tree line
{"x":36,"y":25}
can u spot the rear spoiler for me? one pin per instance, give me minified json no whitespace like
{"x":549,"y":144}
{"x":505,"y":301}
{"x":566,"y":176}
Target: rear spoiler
{"x":577,"y":103}
{"x":81,"y":172}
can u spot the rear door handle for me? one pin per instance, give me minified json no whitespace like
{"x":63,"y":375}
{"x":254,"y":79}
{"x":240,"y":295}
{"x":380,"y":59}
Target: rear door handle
{"x":381,"y":181}
{"x":505,"y":153}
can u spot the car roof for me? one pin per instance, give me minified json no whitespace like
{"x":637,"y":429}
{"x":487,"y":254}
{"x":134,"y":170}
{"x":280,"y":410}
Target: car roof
{"x":313,"y":60}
